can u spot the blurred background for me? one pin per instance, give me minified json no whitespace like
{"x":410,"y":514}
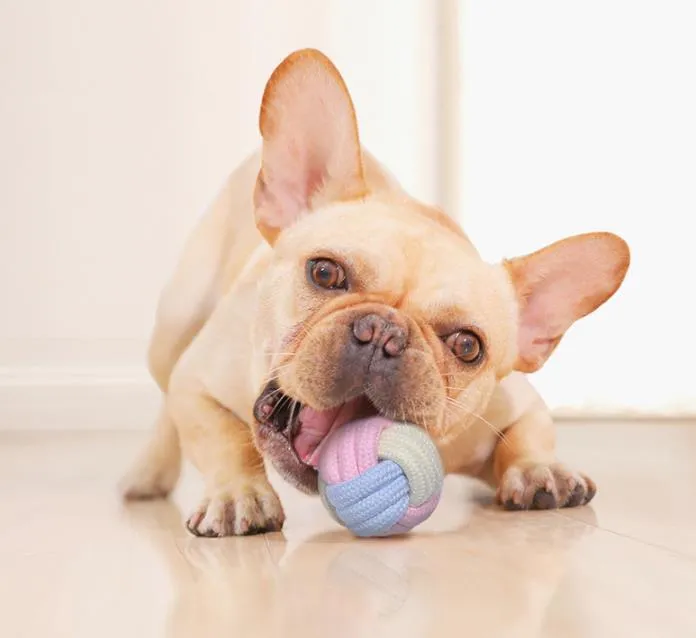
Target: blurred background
{"x":119,"y":122}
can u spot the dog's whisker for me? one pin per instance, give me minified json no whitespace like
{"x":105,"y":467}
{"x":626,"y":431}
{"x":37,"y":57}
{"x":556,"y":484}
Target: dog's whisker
{"x":282,"y":366}
{"x":403,"y":413}
{"x":464,"y":393}
{"x":464,"y":408}
{"x":467,"y":390}
{"x":284,"y":400}
{"x":273,"y":393}
{"x":277,"y":369}
{"x":291,"y":416}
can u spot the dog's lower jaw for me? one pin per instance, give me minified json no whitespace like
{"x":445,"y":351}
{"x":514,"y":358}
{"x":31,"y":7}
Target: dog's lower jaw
{"x":290,"y":434}
{"x":278,"y":450}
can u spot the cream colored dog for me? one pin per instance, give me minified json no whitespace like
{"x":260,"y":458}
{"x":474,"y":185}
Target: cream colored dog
{"x":315,"y":290}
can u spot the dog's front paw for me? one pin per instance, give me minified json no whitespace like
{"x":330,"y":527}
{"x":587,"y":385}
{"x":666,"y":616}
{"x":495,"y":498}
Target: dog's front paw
{"x":540,"y":486}
{"x":238,"y":513}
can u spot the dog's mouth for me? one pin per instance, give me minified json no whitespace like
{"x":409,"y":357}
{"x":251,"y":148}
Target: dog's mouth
{"x":305,"y":428}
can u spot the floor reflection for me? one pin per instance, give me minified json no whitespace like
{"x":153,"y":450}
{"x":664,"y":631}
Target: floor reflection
{"x":497,"y":574}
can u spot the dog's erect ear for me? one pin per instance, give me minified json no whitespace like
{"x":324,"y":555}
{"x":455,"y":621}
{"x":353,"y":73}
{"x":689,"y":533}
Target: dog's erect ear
{"x":311,"y":151}
{"x":558,"y":285}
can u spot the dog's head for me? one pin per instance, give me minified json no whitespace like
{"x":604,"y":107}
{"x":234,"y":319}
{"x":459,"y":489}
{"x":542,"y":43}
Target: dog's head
{"x":375,"y":303}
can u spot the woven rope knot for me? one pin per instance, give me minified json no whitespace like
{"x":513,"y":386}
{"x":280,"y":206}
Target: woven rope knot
{"x":378,"y":477}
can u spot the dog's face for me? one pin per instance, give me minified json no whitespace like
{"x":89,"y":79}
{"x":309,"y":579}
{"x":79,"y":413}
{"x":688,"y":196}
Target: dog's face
{"x":374,"y":307}
{"x":377,"y":304}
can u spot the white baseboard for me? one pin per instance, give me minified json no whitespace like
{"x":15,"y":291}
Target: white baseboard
{"x":623,"y":413}
{"x":128,"y":399}
{"x":80,"y":399}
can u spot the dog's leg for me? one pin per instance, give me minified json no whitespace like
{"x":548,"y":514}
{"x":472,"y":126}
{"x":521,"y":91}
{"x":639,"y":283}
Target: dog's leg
{"x":238,"y":500}
{"x":157,"y":469}
{"x":526,"y":472}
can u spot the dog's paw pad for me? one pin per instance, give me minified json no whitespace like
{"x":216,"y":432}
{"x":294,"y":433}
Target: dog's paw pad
{"x":539,"y":486}
{"x":238,"y":514}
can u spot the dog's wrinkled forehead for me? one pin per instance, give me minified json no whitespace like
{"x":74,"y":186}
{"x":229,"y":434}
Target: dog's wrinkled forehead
{"x":379,"y":236}
{"x":396,"y":249}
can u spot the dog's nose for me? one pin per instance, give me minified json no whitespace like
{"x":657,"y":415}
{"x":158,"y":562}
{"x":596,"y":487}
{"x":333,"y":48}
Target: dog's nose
{"x":389,"y":336}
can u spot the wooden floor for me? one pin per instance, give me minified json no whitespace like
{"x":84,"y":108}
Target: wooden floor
{"x":75,"y":562}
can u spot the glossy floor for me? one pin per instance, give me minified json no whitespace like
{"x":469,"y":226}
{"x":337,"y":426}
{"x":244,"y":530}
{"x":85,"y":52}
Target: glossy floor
{"x":75,"y":561}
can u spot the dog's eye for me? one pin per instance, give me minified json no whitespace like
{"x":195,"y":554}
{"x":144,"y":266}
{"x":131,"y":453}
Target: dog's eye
{"x":327,"y":274}
{"x":465,"y":345}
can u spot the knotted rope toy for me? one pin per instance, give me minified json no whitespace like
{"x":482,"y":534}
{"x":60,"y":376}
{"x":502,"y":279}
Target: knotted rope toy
{"x":379,"y":477}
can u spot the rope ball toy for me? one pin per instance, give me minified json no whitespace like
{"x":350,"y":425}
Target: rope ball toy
{"x":379,"y":477}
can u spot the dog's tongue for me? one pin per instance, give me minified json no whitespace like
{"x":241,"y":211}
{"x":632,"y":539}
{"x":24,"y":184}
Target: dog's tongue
{"x":315,"y":425}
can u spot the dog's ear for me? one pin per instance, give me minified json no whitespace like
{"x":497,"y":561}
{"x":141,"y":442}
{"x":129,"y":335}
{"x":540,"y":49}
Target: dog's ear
{"x":311,"y":151}
{"x":558,"y":285}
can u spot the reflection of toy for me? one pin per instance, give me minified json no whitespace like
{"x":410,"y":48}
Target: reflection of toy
{"x":379,"y":477}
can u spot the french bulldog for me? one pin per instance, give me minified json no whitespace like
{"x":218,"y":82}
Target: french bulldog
{"x":316,"y":290}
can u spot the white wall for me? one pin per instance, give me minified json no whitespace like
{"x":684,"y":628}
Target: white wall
{"x":119,"y":121}
{"x":581,"y":116}
{"x":118,"y":124}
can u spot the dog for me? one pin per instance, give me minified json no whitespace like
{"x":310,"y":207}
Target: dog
{"x":316,"y":290}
